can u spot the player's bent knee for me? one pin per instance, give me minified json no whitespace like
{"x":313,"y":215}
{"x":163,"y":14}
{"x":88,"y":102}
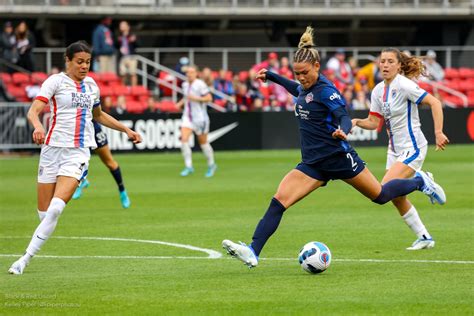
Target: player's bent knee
{"x":56,"y":207}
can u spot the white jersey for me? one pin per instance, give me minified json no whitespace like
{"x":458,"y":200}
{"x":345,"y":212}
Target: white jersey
{"x":397,"y":104}
{"x":71,"y":105}
{"x":195,"y":111}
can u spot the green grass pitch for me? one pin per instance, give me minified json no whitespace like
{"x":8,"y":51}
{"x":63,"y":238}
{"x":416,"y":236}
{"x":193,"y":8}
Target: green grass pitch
{"x":95,"y":277}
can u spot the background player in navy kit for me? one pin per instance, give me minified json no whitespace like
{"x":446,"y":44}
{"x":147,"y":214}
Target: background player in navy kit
{"x":103,"y":150}
{"x":326,"y":155}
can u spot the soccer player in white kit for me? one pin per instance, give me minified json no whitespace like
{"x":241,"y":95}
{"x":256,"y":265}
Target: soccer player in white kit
{"x":195,"y":119}
{"x":396,"y":101}
{"x":74,"y":99}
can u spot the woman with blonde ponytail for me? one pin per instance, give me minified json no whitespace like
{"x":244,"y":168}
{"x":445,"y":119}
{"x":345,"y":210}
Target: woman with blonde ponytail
{"x":326,"y":154}
{"x":396,"y":100}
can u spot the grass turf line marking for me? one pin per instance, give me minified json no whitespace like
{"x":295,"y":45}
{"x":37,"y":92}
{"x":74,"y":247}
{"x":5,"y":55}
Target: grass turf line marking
{"x":212,"y":254}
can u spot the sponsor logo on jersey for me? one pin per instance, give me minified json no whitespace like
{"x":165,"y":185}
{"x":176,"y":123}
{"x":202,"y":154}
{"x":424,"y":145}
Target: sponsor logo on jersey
{"x":81,"y":100}
{"x":334,"y":96}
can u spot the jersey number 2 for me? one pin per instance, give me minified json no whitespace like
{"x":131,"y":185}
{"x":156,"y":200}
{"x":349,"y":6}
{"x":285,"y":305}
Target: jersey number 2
{"x":353,"y":163}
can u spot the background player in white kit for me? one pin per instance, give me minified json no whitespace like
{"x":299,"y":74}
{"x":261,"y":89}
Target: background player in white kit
{"x":195,"y":118}
{"x":74,"y":100}
{"x":396,"y":100}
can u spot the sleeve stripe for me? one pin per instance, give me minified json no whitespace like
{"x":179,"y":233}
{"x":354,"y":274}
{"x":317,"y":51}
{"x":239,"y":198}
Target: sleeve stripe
{"x":376,"y":114}
{"x":45,"y":100}
{"x":96,"y":104}
{"x":421,"y":98}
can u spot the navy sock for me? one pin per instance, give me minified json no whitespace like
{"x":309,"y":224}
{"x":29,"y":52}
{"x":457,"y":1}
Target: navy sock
{"x":117,"y":174}
{"x":398,"y":187}
{"x":267,"y":225}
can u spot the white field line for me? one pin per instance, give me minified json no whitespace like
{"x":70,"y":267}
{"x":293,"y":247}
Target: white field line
{"x":212,"y":254}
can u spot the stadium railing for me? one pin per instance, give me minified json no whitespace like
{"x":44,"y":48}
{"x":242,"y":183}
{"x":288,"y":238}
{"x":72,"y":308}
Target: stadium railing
{"x":240,"y":7}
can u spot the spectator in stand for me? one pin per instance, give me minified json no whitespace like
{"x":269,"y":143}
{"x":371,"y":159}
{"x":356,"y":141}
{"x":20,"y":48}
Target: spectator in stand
{"x":341,"y":68}
{"x":271,"y":63}
{"x":331,"y":75}
{"x":108,"y":106}
{"x":8,"y":46}
{"x":286,"y":68}
{"x":224,"y":85}
{"x":151,"y":106}
{"x":361,"y":102}
{"x":371,"y":73}
{"x":121,"y":107}
{"x":434,"y":70}
{"x":25,"y":41}
{"x":182,"y":64}
{"x":207,"y":77}
{"x":348,"y":95}
{"x":104,"y":49}
{"x":243,"y":98}
{"x":127,"y":43}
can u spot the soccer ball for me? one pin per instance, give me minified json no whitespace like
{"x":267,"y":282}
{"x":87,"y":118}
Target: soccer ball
{"x":315,"y":257}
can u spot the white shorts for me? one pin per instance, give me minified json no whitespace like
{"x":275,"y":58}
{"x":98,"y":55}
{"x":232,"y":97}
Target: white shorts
{"x":409,"y":157}
{"x":199,"y":127}
{"x":62,"y":161}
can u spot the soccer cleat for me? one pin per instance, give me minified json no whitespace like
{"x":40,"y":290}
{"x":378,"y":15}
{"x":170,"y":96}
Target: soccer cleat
{"x":17,"y":267}
{"x":431,"y":188}
{"x":210,"y":171}
{"x":187,"y":171}
{"x":242,"y":252}
{"x":124,"y":199}
{"x":422,"y":243}
{"x":78,"y":193}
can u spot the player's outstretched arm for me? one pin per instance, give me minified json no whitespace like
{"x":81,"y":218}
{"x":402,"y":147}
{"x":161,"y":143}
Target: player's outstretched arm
{"x":371,"y":122}
{"x":289,"y":85}
{"x":109,"y":121}
{"x":33,"y":117}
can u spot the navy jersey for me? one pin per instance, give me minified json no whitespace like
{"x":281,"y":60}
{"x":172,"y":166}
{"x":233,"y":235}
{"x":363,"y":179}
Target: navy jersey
{"x":320,"y":111}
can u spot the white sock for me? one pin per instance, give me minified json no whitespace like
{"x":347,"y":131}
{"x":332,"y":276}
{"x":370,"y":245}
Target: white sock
{"x":412,"y":219}
{"x":41,"y":215}
{"x":187,"y":152}
{"x":46,"y":228}
{"x":209,"y":153}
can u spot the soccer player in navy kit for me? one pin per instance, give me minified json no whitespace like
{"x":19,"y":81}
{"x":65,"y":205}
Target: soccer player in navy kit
{"x":103,"y":150}
{"x":326,"y":155}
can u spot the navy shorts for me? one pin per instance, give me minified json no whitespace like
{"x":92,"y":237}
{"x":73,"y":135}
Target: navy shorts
{"x":100,"y":136}
{"x":338,"y":167}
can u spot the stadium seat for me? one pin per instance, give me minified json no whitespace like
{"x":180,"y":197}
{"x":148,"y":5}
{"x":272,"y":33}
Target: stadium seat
{"x":20,"y":78}
{"x":451,"y":73}
{"x":109,"y":78}
{"x":136,"y":107}
{"x":167,"y":106}
{"x":466,"y":73}
{"x":5,"y":77}
{"x":139,"y":91}
{"x":106,"y":91}
{"x":425,"y":86}
{"x":94,"y":76}
{"x":38,"y":77}
{"x":19,"y":93}
{"x":121,"y":90}
{"x":453,"y":100}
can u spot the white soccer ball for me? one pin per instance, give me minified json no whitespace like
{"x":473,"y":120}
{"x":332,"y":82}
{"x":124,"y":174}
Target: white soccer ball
{"x":315,"y":257}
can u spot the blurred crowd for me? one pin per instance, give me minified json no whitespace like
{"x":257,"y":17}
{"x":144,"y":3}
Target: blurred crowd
{"x":115,"y":67}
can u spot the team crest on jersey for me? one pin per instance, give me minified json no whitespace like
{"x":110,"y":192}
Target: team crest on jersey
{"x":309,"y":97}
{"x":394,"y":93}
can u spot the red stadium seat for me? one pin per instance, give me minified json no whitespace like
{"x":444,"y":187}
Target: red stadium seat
{"x":20,"y":78}
{"x":18,"y":93}
{"x":466,"y":73}
{"x":454,"y":100}
{"x":426,"y":86}
{"x":167,"y":106}
{"x":121,"y":90}
{"x":94,"y":76}
{"x":139,"y":91}
{"x":5,"y":77}
{"x":136,"y":107}
{"x":109,"y":77}
{"x":451,"y":73}
{"x":38,"y":77}
{"x":106,"y":91}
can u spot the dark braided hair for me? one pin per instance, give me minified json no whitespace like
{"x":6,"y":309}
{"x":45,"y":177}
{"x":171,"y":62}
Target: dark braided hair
{"x":77,"y":47}
{"x":307,"y":52}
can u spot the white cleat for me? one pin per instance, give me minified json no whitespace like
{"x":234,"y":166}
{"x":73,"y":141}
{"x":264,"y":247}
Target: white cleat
{"x":242,"y":252}
{"x":434,"y":191}
{"x":17,"y":267}
{"x":422,"y":243}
